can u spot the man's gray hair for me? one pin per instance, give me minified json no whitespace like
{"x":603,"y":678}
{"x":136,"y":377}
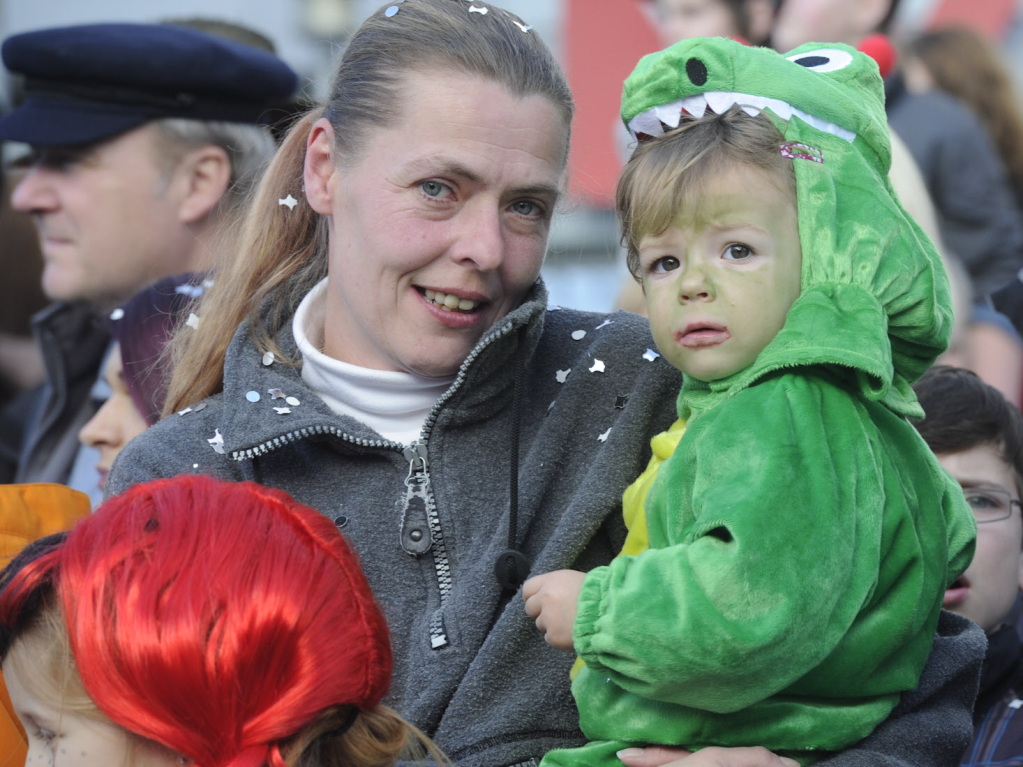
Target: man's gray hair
{"x":249,"y":149}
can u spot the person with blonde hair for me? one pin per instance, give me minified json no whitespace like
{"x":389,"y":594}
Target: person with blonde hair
{"x":965,"y":64}
{"x":382,"y":349}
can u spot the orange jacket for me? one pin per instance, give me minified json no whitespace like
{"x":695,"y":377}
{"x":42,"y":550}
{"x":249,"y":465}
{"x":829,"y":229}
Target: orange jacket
{"x":28,"y":512}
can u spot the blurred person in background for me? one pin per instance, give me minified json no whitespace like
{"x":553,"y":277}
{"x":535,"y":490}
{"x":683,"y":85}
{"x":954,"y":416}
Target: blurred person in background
{"x":748,"y":21}
{"x":136,"y":370}
{"x":21,"y":364}
{"x":145,"y":139}
{"x":967,"y":65}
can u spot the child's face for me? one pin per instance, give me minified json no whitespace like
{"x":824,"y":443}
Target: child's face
{"x":59,"y":738}
{"x":987,"y":590}
{"x":720,"y":282}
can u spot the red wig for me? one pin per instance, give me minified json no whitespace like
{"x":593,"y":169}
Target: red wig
{"x":216,"y":618}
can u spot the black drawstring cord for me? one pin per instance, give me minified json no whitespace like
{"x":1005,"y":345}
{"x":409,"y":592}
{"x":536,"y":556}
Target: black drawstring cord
{"x":512,"y":567}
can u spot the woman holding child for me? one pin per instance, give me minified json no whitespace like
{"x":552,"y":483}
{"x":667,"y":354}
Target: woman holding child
{"x":383,"y":351}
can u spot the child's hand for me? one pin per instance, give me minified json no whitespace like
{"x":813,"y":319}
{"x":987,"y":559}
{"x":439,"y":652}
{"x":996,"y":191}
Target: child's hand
{"x":553,"y":599}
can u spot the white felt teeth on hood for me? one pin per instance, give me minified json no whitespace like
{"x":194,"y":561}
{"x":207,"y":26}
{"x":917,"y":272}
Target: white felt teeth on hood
{"x":652,"y":121}
{"x":695,"y":105}
{"x":719,"y":102}
{"x":647,"y":123}
{"x":669,"y":114}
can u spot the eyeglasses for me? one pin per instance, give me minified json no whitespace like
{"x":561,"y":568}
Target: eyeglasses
{"x":990,"y":504}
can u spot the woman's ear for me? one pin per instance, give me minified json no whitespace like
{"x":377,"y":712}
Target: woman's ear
{"x":204,"y":174}
{"x":320,"y":170}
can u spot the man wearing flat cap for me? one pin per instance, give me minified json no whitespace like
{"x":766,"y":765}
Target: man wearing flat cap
{"x":144,"y":139}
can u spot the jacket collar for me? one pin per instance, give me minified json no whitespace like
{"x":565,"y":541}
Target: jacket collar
{"x":76,"y":334}
{"x":255,"y":401}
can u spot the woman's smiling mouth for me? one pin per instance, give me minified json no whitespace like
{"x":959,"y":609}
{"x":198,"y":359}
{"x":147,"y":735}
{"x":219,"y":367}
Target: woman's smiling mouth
{"x":449,"y":301}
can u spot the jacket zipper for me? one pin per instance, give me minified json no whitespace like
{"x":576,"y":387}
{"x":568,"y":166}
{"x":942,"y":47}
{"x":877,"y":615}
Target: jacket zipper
{"x":419,"y":490}
{"x":419,"y":500}
{"x":304,"y":433}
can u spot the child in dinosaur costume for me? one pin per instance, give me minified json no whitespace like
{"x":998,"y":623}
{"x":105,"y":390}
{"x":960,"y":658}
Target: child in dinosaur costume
{"x":783,"y":575}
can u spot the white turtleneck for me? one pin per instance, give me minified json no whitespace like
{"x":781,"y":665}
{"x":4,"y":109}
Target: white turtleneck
{"x":394,"y":404}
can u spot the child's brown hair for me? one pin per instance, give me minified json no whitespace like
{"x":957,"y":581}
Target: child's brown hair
{"x":666,"y":171}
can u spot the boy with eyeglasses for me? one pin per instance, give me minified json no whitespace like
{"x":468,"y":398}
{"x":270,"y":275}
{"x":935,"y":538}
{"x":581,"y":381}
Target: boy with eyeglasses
{"x":978,"y":437}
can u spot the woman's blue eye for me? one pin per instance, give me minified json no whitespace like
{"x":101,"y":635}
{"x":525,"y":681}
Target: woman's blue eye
{"x":526,"y":208}
{"x":432,"y":188}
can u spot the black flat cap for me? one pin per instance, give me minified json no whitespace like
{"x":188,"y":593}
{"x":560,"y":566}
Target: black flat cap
{"x":91,"y":82}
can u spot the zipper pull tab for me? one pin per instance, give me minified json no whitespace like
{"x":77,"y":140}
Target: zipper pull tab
{"x":415,"y":527}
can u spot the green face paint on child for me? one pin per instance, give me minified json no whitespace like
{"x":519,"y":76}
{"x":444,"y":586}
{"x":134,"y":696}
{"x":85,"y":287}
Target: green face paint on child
{"x":719,"y":282}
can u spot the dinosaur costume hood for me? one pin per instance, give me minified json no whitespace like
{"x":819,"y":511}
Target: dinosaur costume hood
{"x":874,"y":304}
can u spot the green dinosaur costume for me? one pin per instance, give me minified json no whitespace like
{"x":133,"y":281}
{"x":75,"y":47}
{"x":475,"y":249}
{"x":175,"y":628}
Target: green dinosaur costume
{"x":802,"y":534}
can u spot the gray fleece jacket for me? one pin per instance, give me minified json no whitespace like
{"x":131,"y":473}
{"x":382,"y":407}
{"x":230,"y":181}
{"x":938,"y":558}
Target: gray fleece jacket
{"x":429,"y":521}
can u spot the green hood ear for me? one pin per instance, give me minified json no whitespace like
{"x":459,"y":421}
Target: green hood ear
{"x":870,"y":275}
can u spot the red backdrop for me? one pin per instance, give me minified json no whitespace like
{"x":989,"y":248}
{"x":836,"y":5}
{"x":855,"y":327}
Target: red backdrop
{"x":603,"y":40}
